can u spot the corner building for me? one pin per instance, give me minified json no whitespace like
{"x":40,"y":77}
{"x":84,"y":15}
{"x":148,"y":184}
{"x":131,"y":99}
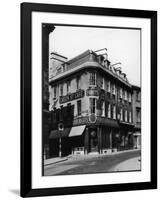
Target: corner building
{"x":93,"y":101}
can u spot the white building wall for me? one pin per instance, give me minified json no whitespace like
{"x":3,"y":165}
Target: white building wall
{"x":84,"y":82}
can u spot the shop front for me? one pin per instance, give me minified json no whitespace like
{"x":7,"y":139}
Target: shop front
{"x":91,"y":138}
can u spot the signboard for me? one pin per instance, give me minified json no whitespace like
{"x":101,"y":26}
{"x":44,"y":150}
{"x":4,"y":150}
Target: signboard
{"x":92,"y":92}
{"x":71,"y":97}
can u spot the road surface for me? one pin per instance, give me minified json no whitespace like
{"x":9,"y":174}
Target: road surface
{"x":96,"y":164}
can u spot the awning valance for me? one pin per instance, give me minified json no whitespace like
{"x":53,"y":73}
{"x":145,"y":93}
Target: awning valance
{"x":56,"y":134}
{"x":77,"y":130}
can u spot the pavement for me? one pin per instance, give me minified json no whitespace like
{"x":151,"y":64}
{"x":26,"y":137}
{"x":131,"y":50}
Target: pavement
{"x":83,"y":157}
{"x":128,"y":165}
{"x":54,"y":160}
{"x":98,"y":163}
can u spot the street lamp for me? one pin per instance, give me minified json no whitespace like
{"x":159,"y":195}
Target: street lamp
{"x":60,"y":129}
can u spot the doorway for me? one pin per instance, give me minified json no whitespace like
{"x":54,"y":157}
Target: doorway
{"x":93,"y":140}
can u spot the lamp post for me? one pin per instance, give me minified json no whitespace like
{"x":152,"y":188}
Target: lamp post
{"x":60,"y":130}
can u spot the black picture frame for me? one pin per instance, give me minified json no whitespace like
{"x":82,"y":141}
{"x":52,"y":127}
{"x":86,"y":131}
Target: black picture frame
{"x":26,"y":103}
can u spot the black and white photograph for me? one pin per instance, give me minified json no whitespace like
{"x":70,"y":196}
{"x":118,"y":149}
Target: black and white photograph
{"x":91,"y":99}
{"x":88,"y":99}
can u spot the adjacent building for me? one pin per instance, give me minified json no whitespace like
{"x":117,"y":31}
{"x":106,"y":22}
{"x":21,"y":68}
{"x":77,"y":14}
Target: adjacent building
{"x":91,"y":105}
{"x":136,"y":104}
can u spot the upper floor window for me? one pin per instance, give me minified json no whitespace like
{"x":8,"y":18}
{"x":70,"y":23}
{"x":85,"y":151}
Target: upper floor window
{"x":102,"y":82}
{"x":92,"y":105}
{"x":68,"y":85}
{"x":130,"y":117}
{"x":114,"y":112}
{"x":129,"y":97}
{"x":120,"y":92}
{"x":121,"y":114}
{"x":55,"y":92}
{"x":137,"y":95}
{"x":125,"y":95}
{"x":78,"y":82}
{"x":138,"y":114}
{"x":92,"y":80}
{"x":109,"y":110}
{"x":61,"y":89}
{"x":113,"y":89}
{"x":125,"y":115}
{"x":79,"y":107}
{"x":108,"y":86}
{"x":103,"y":108}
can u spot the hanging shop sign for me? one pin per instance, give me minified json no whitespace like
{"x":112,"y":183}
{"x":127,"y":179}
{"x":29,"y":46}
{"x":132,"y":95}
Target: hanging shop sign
{"x":92,"y":92}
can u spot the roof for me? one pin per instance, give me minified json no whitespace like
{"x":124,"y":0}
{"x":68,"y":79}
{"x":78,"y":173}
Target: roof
{"x":91,"y":63}
{"x":136,"y":87}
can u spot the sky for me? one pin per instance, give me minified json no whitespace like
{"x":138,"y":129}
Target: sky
{"x":123,"y":45}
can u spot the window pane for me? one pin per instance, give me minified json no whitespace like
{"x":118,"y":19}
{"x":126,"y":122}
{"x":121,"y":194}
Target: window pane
{"x":92,"y":78}
{"x":79,"y":107}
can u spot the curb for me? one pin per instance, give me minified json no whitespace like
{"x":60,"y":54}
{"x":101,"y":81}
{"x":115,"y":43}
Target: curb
{"x":56,"y":162}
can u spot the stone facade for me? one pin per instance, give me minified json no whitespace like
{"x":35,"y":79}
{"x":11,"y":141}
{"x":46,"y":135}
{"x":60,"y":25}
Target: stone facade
{"x":101,"y":97}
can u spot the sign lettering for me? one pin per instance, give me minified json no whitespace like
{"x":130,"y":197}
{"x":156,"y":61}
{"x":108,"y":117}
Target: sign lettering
{"x":71,"y":97}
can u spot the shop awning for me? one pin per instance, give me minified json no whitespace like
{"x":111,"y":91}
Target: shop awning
{"x":56,"y":134}
{"x":77,"y":130}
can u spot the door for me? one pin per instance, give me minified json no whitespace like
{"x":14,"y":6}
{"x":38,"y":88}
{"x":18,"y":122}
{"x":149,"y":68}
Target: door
{"x":93,"y":140}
